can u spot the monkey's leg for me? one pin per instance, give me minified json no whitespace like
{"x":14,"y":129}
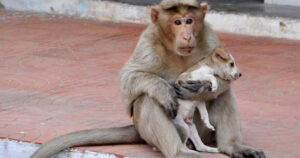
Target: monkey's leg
{"x":158,"y":130}
{"x":224,"y":115}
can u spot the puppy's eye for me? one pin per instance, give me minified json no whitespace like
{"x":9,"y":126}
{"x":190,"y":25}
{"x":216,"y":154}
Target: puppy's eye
{"x":177,"y":22}
{"x":231,"y":64}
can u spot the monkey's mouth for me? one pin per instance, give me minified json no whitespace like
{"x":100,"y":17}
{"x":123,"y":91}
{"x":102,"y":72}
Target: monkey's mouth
{"x":186,"y":49}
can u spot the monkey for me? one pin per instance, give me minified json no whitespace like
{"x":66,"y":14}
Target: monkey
{"x":219,"y":63}
{"x":177,"y":38}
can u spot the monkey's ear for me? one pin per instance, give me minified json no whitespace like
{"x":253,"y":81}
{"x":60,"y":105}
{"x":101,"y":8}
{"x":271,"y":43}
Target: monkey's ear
{"x":204,"y":7}
{"x":220,"y":54}
{"x":154,"y":14}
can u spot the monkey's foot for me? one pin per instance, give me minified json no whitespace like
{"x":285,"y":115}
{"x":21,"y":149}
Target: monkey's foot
{"x":249,"y":153}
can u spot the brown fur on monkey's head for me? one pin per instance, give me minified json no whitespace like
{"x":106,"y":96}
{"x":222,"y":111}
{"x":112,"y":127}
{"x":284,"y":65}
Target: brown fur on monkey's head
{"x":166,"y":4}
{"x":179,"y":23}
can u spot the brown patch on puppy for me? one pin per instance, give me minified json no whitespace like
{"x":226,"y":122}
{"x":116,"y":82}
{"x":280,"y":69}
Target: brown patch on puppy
{"x":219,"y":54}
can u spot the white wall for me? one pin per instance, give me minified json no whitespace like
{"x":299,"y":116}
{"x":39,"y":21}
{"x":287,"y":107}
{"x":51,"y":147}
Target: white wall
{"x":284,"y":2}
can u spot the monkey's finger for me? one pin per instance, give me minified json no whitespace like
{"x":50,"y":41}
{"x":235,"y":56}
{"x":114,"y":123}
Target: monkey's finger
{"x":178,"y":91}
{"x":175,"y":109}
{"x":262,"y":154}
{"x":180,"y":82}
{"x":193,"y":82}
{"x":206,"y":87}
{"x":179,"y":95}
{"x":183,"y":93}
{"x":190,"y":84}
{"x":171,"y":110}
{"x":176,"y":87}
{"x":255,"y":154}
{"x":237,"y":155}
{"x":169,"y":113}
{"x":259,"y":154}
{"x":190,"y":87}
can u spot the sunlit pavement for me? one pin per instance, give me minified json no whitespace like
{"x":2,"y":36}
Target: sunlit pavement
{"x":60,"y":74}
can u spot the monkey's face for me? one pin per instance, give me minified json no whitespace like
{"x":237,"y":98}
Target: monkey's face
{"x":179,"y":25}
{"x":225,"y":65}
{"x":184,"y":31}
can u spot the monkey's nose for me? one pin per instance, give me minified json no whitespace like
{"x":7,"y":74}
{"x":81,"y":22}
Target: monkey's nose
{"x":187,"y":37}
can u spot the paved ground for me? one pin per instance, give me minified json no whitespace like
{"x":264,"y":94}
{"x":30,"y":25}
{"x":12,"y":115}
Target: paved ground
{"x":60,"y":74}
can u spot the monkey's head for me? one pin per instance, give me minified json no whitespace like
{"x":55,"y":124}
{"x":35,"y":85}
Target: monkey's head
{"x":224,"y":65}
{"x":179,"y":23}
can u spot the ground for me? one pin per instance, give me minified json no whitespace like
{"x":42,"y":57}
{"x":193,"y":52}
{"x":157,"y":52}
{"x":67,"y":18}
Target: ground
{"x":60,"y":74}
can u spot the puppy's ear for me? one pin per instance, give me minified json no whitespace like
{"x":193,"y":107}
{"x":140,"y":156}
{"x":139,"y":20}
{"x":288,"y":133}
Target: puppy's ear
{"x":221,"y":55}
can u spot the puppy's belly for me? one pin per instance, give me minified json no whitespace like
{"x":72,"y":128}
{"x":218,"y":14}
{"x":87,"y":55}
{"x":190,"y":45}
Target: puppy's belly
{"x":186,"y":107}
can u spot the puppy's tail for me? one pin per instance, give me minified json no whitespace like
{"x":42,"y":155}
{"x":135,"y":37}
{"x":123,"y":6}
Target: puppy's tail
{"x":121,"y":135}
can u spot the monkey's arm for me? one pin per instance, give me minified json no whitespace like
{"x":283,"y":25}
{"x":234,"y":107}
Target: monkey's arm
{"x":194,"y":89}
{"x":135,"y":83}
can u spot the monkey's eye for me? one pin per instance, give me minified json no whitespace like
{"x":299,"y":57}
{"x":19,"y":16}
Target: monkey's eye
{"x":232,"y":64}
{"x":177,"y":22}
{"x":189,"y":21}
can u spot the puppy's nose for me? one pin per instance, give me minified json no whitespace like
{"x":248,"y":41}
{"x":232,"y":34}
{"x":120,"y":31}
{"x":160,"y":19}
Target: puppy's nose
{"x":238,"y":75}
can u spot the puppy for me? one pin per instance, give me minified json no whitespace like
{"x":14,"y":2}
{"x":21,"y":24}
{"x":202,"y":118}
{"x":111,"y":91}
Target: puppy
{"x":219,"y":63}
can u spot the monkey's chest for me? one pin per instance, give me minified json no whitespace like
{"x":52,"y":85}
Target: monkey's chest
{"x":171,"y":75}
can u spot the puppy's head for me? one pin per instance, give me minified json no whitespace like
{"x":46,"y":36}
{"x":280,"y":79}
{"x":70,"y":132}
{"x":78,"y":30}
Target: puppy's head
{"x":225,"y":66}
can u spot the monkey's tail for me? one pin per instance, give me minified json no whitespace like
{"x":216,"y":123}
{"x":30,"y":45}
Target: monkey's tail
{"x":120,"y":135}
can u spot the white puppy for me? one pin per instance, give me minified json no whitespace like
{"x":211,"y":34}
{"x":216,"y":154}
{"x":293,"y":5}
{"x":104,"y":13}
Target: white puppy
{"x":219,"y":63}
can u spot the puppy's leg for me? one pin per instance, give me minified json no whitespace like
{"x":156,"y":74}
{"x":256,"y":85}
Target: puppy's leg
{"x":200,"y":146}
{"x":204,"y":115}
{"x":182,"y":128}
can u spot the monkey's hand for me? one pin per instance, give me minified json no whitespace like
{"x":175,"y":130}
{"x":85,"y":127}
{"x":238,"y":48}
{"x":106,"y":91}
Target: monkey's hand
{"x":169,"y":100}
{"x":191,"y":89}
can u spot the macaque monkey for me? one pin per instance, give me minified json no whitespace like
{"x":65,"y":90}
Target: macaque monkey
{"x":176,"y":39}
{"x":220,"y":64}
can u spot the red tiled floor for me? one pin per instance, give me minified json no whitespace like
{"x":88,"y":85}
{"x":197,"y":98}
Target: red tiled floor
{"x":60,"y":74}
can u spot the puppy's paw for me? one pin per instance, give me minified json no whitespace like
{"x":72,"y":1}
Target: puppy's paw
{"x":214,"y":86}
{"x":208,"y":149}
{"x":212,"y":128}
